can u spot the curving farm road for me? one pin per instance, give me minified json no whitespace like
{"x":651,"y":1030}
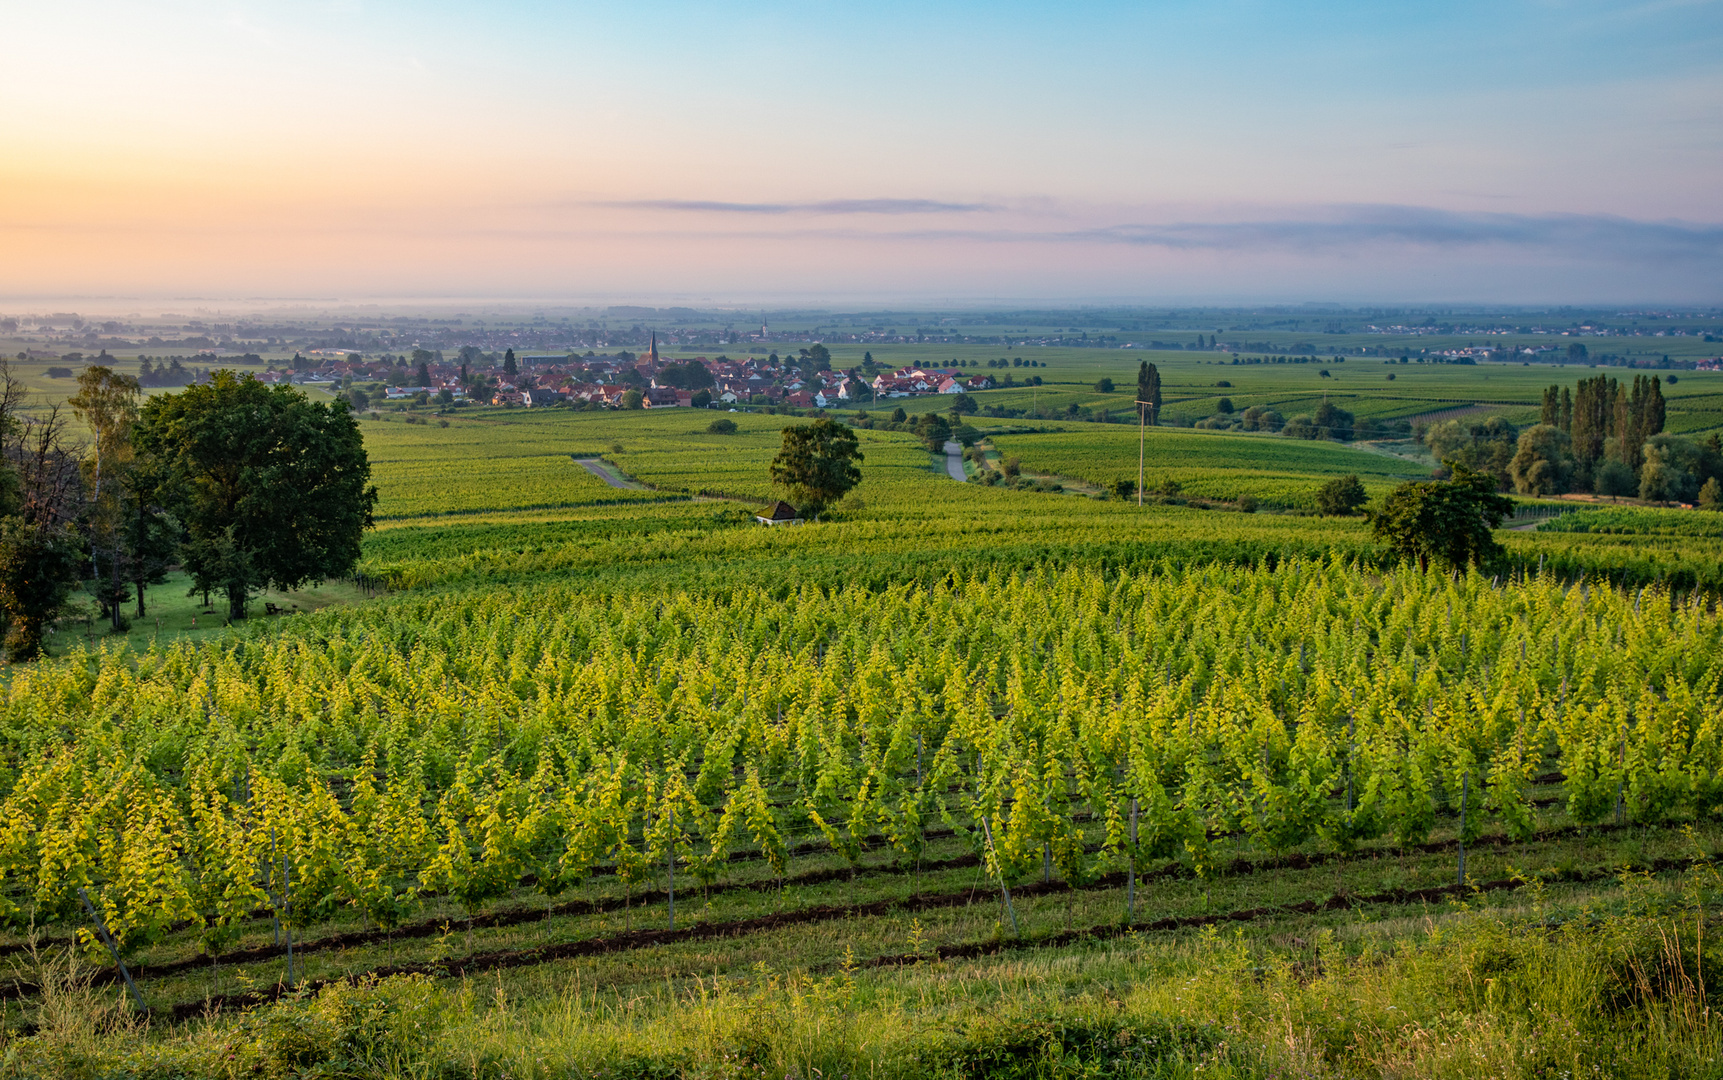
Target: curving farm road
{"x":954,"y":462}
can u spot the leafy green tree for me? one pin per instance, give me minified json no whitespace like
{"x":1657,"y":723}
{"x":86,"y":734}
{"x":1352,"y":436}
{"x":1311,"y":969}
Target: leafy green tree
{"x":721,"y":426}
{"x":1445,"y":521}
{"x":1149,"y":392}
{"x":1124,"y":489}
{"x":633,"y":399}
{"x":1332,"y":422}
{"x":963,"y":405}
{"x":1341,"y":496}
{"x":933,"y":430}
{"x":1543,"y":462}
{"x":510,"y":367}
{"x":1676,"y":468}
{"x":1103,"y":386}
{"x":898,"y":416}
{"x":817,"y":463}
{"x":1711,"y":495}
{"x":39,"y":567}
{"x":149,"y":535}
{"x":1614,"y":480}
{"x":271,"y":488}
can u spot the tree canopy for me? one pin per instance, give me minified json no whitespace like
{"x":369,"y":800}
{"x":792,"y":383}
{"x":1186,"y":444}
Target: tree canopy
{"x":817,"y":463}
{"x":272,"y":489}
{"x":1444,"y":521}
{"x":1341,"y":496}
{"x":1149,"y":392}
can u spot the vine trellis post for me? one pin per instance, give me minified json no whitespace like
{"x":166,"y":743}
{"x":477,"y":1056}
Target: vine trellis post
{"x":113,"y":949}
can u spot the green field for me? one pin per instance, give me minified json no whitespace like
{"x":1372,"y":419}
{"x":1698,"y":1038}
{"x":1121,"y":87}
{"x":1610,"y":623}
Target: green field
{"x":1225,"y":763}
{"x":1206,"y":464}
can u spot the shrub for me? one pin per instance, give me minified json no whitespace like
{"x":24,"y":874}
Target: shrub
{"x":1100,"y":1044}
{"x":369,"y":1028}
{"x":1341,"y":497}
{"x":721,"y":426}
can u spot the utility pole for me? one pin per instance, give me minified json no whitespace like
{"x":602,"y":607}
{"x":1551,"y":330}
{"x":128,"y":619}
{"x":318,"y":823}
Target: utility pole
{"x":1142,"y":427}
{"x":1148,"y":397}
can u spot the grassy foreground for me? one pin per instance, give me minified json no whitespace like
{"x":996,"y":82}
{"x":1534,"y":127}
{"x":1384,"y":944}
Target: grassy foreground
{"x":1581,"y":987}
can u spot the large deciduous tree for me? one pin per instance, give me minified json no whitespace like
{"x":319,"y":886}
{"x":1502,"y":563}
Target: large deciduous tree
{"x":817,"y":463}
{"x":1543,"y":461}
{"x":271,"y":489}
{"x":1444,"y":521}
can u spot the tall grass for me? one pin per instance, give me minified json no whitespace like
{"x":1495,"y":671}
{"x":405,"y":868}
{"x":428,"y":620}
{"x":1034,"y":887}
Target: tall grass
{"x":1457,"y":994}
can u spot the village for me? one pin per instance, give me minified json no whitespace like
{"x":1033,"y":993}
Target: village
{"x":619,"y":381}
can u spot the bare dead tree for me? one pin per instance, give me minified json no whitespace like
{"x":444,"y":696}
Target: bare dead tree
{"x":41,"y":502}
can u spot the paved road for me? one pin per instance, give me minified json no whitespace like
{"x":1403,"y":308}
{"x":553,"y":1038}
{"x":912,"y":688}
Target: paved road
{"x":596,"y":468}
{"x":954,"y":461}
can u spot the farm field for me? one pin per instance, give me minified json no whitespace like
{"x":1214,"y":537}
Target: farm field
{"x":841,"y":784}
{"x":960,"y":781}
{"x":1206,"y":464}
{"x":1191,"y":387}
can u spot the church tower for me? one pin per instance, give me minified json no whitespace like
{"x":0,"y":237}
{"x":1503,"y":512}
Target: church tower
{"x":652,"y":351}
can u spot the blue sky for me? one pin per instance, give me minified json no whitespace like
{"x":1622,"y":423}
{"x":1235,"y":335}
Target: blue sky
{"x":1227,"y":151}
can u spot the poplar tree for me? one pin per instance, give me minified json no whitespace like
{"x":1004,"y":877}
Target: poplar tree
{"x":1149,"y":392}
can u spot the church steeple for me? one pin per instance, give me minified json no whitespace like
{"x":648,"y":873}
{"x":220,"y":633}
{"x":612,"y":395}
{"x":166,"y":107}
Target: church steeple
{"x":652,"y":352}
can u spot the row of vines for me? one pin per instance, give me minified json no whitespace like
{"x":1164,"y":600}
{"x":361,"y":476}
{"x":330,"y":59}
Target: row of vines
{"x":473,"y":745}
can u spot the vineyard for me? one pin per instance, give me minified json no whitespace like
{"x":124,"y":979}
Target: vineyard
{"x":617,"y":782}
{"x":1071,"y":724}
{"x":1206,"y":465}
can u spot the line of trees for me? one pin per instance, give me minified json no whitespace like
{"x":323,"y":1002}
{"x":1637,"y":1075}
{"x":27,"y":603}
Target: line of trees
{"x":244,"y":485}
{"x":1607,"y":437}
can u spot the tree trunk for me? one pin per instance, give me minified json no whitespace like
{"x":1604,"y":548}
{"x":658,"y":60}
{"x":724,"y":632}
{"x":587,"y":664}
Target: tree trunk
{"x":236,"y":601}
{"x":118,"y":617}
{"x":139,"y":584}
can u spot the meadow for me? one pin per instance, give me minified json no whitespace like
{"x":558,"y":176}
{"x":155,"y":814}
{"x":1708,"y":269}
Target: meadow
{"x":961,"y":781}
